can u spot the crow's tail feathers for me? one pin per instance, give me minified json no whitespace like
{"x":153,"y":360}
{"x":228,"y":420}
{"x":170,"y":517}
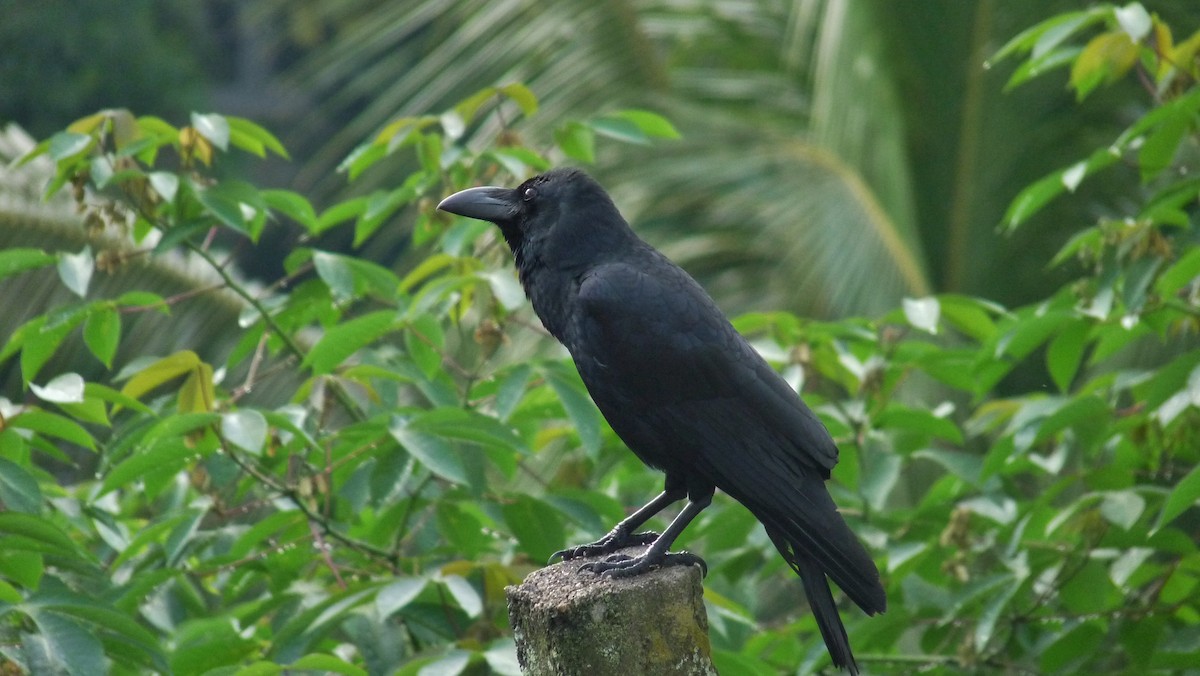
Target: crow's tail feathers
{"x":826,"y":613}
{"x":816,"y":543}
{"x":810,"y":533}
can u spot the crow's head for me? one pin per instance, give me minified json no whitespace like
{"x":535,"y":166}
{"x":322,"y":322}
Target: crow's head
{"x":560,"y":218}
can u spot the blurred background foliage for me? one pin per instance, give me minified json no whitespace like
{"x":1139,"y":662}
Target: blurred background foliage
{"x":836,"y":155}
{"x":1026,"y":476}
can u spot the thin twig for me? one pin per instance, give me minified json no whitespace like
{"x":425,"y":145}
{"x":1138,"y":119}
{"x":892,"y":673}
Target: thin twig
{"x":323,"y":548}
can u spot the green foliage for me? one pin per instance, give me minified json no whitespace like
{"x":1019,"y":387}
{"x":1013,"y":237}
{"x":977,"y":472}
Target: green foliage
{"x":164,"y":519}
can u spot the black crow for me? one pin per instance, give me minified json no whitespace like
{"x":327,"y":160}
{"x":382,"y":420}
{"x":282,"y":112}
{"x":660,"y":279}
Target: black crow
{"x":680,"y":387}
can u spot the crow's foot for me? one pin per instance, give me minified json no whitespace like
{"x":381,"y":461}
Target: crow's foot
{"x":606,"y":545}
{"x":621,"y":565}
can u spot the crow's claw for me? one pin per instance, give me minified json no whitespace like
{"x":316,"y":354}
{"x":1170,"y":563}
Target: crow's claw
{"x":621,"y":565}
{"x":605,"y":545}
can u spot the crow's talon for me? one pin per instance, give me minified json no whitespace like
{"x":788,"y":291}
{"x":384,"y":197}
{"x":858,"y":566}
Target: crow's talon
{"x":605,"y":545}
{"x":621,"y":565}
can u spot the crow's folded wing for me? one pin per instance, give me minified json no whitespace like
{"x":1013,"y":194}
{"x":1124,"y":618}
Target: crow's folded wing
{"x":648,"y":337}
{"x":686,"y":391}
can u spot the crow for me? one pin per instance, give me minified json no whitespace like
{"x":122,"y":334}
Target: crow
{"x":681,"y":387}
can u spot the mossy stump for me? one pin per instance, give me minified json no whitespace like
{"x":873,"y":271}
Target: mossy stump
{"x":570,"y":622}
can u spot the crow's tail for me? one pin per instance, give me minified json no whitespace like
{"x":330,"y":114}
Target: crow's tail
{"x":816,"y":542}
{"x":826,"y":613}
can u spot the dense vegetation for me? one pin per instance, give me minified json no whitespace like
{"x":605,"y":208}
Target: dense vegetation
{"x":350,"y":485}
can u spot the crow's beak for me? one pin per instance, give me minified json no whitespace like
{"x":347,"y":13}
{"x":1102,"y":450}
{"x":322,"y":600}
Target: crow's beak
{"x":486,"y":204}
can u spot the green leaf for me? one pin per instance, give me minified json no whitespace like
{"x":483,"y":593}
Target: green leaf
{"x":325,"y":664}
{"x":339,"y":213}
{"x":468,"y":425}
{"x":897,"y":416}
{"x":1089,"y":241}
{"x":380,"y":205}
{"x":16,"y":527}
{"x":966,"y":466}
{"x":246,"y":429}
{"x":1039,"y":65}
{"x":577,"y":141}
{"x":121,"y":635}
{"x":511,"y":390}
{"x":163,"y":456}
{"x":1073,"y":647}
{"x":1066,"y":352}
{"x":100,"y":169}
{"x":1182,"y":272}
{"x":363,"y":157}
{"x":260,"y":668}
{"x":213,"y":127}
{"x":182,"y":534}
{"x":265,"y":531}
{"x":576,"y":403}
{"x":972,"y":316}
{"x":1134,"y":20}
{"x":24,"y":568}
{"x":102,"y":333}
{"x":18,"y":489}
{"x":650,"y":124}
{"x":69,"y":643}
{"x":619,"y":129}
{"x":104,"y":393}
{"x":165,"y":183}
{"x":90,"y":410}
{"x":501,"y":658}
{"x":1122,"y":508}
{"x":53,"y":425}
{"x":522,"y":96}
{"x":923,"y":313}
{"x":1182,"y":496}
{"x":237,"y":204}
{"x":1043,"y":37}
{"x":1036,"y":195}
{"x":1158,"y":150}
{"x":986,"y":625}
{"x":204,"y":644}
{"x":251,"y":137}
{"x":453,"y":664}
{"x":423,"y":339}
{"x":1105,"y":59}
{"x":67,"y":144}
{"x":64,"y":389}
{"x":398,"y":594}
{"x":433,"y":452}
{"x":75,"y":270}
{"x":17,"y":260}
{"x":161,"y":372}
{"x":537,"y":526}
{"x":335,"y":271}
{"x":879,"y":477}
{"x":293,"y":205}
{"x":1088,"y":414}
{"x":344,"y":339}
{"x":518,"y":161}
{"x":464,"y":594}
{"x":1028,"y":333}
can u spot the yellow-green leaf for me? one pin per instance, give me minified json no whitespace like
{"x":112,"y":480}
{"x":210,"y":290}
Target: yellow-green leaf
{"x":1104,"y":60}
{"x":162,"y":371}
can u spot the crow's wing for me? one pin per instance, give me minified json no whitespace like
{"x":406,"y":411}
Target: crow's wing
{"x":648,"y":339}
{"x":688,"y":394}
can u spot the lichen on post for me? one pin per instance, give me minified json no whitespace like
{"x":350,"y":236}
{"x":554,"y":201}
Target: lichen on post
{"x":570,"y":622}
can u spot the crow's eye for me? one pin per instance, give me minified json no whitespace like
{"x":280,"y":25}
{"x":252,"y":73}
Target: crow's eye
{"x":529,"y":194}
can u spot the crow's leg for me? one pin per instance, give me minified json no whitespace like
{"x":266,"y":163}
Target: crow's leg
{"x":622,"y":535}
{"x":620,"y":565}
